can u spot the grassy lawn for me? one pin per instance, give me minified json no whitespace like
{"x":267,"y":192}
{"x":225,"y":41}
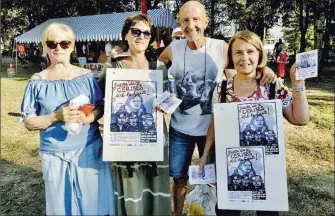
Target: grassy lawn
{"x":310,"y":153}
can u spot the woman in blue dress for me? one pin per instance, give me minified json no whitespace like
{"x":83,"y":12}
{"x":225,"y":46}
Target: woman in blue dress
{"x":77,"y":181}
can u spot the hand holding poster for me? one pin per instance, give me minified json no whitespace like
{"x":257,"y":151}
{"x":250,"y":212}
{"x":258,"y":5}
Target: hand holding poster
{"x":250,"y":156}
{"x":132,"y":127}
{"x":307,"y":65}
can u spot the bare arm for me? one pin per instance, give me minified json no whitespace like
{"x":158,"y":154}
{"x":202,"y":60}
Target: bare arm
{"x":278,"y":59}
{"x":33,"y":122}
{"x":166,"y":55}
{"x":65,"y":114}
{"x":210,"y":139}
{"x":298,"y":112}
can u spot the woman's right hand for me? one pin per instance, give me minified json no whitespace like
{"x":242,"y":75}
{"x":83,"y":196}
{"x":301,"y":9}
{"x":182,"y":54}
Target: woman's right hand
{"x":116,"y":51}
{"x":68,"y":114}
{"x":202,"y":162}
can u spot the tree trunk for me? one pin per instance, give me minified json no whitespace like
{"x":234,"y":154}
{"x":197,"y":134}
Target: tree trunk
{"x":326,"y":36}
{"x":303,"y":24}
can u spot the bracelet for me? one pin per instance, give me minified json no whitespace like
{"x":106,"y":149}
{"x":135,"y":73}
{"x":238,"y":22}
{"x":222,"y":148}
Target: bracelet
{"x":298,"y":88}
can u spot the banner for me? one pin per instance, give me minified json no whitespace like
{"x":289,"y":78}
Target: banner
{"x":133,"y":129}
{"x":250,"y":156}
{"x":96,"y":68}
{"x":20,"y":48}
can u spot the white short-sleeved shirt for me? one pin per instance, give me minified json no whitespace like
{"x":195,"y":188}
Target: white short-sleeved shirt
{"x":196,"y":74}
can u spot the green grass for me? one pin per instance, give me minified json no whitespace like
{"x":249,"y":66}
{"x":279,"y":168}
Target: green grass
{"x":309,"y":153}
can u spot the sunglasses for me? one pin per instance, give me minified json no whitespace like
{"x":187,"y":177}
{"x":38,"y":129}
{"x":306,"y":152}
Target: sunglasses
{"x":137,"y":32}
{"x":178,"y":38}
{"x":63,"y":44}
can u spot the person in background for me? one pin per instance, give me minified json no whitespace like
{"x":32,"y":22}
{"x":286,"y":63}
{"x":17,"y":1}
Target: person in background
{"x":282,"y":61}
{"x":108,"y":49}
{"x":141,"y":188}
{"x":166,"y":38}
{"x":177,"y":34}
{"x":246,"y":53}
{"x":277,"y":48}
{"x":76,"y":180}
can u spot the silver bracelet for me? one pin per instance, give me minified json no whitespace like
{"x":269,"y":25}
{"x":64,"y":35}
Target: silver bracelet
{"x":298,"y":88}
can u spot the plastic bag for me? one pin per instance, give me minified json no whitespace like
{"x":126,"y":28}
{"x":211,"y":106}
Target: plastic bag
{"x":202,"y":200}
{"x":74,"y":128}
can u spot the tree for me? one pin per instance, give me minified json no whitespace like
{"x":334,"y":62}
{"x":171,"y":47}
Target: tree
{"x":253,"y":15}
{"x":19,"y":15}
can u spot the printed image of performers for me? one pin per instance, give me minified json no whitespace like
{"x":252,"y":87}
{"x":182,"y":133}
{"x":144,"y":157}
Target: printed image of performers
{"x":121,"y":124}
{"x":245,"y":178}
{"x":148,"y":124}
{"x":134,"y":125}
{"x":257,"y":133}
{"x":125,"y":122}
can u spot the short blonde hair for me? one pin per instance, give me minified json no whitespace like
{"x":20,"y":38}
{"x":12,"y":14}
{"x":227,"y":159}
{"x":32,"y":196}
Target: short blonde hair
{"x":53,"y":29}
{"x":251,"y":38}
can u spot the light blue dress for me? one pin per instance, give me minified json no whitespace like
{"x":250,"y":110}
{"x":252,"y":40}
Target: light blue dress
{"x":77,"y":181}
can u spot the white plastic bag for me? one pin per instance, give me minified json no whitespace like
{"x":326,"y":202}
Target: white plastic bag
{"x":202,"y":200}
{"x":74,"y":128}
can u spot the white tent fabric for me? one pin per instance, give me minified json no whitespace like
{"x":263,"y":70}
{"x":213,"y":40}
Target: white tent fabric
{"x":98,"y":27}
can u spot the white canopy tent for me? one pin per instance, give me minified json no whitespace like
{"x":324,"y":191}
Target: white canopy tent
{"x":100,"y":27}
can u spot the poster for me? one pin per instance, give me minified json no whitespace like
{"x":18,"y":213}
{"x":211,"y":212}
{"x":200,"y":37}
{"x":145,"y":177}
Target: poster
{"x":307,"y":65}
{"x":250,"y":157}
{"x":132,"y":127}
{"x":246,"y":169}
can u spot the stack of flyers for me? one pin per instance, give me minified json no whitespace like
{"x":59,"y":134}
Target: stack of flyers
{"x":167,"y":102}
{"x":307,"y":65}
{"x":207,"y":176}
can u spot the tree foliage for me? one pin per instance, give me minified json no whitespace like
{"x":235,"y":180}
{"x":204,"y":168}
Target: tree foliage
{"x":19,"y":15}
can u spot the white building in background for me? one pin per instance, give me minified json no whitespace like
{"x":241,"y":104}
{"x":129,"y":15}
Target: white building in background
{"x":274,"y":34}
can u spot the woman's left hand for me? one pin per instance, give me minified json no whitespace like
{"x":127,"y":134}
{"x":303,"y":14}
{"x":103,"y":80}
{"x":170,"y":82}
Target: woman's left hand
{"x":266,"y":75}
{"x":295,"y":82}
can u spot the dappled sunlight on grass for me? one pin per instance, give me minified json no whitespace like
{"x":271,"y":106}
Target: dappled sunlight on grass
{"x":309,"y":154}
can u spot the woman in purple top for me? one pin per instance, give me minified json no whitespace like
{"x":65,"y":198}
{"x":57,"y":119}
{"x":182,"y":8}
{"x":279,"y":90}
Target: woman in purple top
{"x":77,"y":181}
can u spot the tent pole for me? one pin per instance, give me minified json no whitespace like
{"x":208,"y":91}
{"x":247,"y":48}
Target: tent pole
{"x":15,"y":45}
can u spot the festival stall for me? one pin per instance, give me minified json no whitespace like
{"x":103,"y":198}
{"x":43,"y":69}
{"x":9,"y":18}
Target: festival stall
{"x":98,"y":28}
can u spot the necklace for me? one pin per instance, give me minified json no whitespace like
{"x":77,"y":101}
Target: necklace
{"x":255,"y":90}
{"x":205,"y":71}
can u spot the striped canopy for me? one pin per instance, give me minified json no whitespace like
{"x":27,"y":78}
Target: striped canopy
{"x":98,"y":27}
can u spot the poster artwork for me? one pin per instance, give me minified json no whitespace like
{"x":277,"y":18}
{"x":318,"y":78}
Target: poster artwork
{"x":246,"y":173}
{"x":258,"y":126}
{"x":133,"y":118}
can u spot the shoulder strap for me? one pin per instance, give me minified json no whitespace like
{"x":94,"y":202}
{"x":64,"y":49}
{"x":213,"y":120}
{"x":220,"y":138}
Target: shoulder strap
{"x":272,"y":93}
{"x":153,"y":65}
{"x":223,"y":91}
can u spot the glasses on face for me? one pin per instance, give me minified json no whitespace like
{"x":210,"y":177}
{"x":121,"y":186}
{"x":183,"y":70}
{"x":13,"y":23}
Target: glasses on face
{"x":137,"y":32}
{"x":178,"y":37}
{"x":63,"y":44}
